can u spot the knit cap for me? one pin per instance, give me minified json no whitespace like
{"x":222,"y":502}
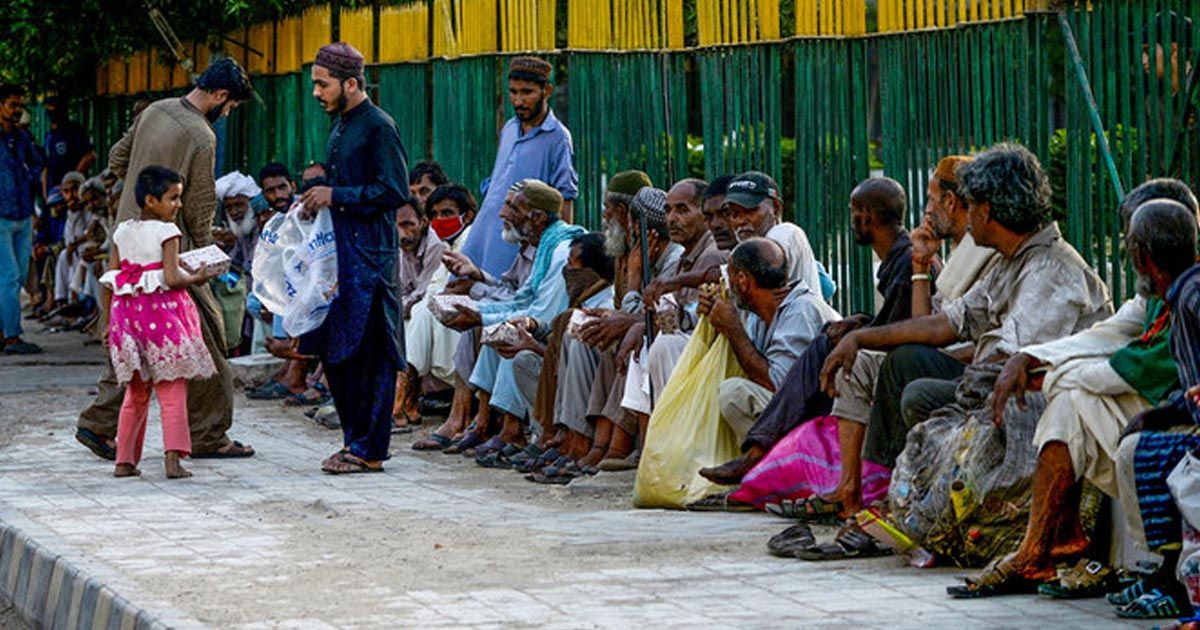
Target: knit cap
{"x":628,"y":182}
{"x":540,"y":196}
{"x":651,"y":201}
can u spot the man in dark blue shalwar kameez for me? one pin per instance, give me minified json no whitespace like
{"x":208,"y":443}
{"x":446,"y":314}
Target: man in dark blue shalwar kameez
{"x":361,"y":341}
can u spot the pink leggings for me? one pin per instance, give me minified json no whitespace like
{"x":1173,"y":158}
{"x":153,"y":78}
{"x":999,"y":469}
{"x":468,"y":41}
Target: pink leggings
{"x":131,"y":426}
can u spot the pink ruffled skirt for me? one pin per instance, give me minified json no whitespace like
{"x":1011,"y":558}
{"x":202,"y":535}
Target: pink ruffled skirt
{"x":158,"y":336}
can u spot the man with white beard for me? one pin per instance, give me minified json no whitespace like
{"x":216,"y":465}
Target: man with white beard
{"x":235,"y":191}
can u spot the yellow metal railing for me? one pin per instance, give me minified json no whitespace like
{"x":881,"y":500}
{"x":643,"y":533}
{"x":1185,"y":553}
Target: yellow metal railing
{"x":453,"y":28}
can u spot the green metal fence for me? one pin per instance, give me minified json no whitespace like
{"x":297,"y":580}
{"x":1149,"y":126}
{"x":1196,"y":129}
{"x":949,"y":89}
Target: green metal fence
{"x":832,"y":156}
{"x":915,"y":95}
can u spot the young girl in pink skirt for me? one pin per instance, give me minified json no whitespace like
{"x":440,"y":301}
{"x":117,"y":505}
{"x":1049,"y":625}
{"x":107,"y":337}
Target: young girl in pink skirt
{"x":153,"y":327}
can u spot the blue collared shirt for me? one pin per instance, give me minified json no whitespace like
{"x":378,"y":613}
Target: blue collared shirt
{"x":20,"y":167}
{"x":543,"y":154}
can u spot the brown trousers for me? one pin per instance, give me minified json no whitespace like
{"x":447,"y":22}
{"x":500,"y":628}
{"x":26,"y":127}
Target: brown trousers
{"x":210,"y":401}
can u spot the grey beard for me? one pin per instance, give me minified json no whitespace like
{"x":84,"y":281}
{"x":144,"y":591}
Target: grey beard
{"x":511,"y":235}
{"x":614,"y":239}
{"x":245,"y":227}
{"x":1144,"y":286}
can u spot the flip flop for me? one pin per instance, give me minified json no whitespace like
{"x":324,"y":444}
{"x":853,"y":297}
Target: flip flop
{"x":557,"y":479}
{"x":347,"y":464}
{"x":788,"y":542}
{"x":96,"y":444}
{"x":851,"y":542}
{"x":999,"y":577}
{"x":238,"y":451}
{"x":434,"y":442}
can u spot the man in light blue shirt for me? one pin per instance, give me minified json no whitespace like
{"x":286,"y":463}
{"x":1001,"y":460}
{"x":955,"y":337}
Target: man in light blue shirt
{"x":534,"y":144}
{"x":532,"y":214}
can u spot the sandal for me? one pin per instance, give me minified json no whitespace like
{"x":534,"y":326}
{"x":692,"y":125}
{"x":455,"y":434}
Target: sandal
{"x":719,"y":502}
{"x":851,"y":542}
{"x":1088,"y":578}
{"x":787,"y":543}
{"x":547,"y":457}
{"x":434,"y":442}
{"x":500,"y":458}
{"x":489,"y":446}
{"x":347,"y":464}
{"x":271,"y":390}
{"x":999,"y":577}
{"x":814,"y":510}
{"x":557,"y":479}
{"x":530,"y":453}
{"x":306,"y":398}
{"x":1126,"y":595}
{"x":1153,"y":604}
{"x":96,"y":444}
{"x":232,"y":450}
{"x":470,"y":439}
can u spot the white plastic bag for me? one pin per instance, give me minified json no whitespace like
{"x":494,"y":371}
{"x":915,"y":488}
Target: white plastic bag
{"x":1184,"y":483}
{"x":270,"y":286}
{"x":310,"y":274}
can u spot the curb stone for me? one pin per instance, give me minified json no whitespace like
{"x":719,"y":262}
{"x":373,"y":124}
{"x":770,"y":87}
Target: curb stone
{"x":50,"y":592}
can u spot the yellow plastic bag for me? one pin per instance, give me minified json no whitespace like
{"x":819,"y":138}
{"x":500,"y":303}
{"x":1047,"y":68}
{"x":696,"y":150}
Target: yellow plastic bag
{"x":686,"y":432}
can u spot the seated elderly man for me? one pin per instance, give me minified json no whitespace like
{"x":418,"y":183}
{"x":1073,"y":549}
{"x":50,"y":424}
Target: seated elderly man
{"x":570,"y":367}
{"x":689,"y":216}
{"x":591,"y":385}
{"x":1095,"y":382}
{"x":755,"y":207}
{"x":1155,"y":441}
{"x":802,"y":399}
{"x":429,"y":346}
{"x":79,"y":217}
{"x":1040,"y":291}
{"x":452,"y":435}
{"x":877,"y":208}
{"x":531,"y":214}
{"x":781,"y":319}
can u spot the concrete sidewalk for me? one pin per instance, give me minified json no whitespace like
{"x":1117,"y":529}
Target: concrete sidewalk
{"x":271,"y":542}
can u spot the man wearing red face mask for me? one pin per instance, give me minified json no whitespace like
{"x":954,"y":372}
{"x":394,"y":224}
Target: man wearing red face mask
{"x":429,"y":347}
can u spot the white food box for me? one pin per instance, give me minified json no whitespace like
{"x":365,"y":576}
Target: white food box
{"x":502,"y":334}
{"x":578,"y":320}
{"x":216,"y":259}
{"x":445,"y":307}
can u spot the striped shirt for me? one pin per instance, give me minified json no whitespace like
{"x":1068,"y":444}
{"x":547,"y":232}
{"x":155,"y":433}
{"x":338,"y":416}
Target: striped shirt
{"x":1183,"y":298}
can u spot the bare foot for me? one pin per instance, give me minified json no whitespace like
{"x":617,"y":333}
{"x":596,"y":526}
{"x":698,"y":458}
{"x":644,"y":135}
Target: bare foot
{"x":126,"y":470}
{"x":1068,"y":550}
{"x":174,"y":469}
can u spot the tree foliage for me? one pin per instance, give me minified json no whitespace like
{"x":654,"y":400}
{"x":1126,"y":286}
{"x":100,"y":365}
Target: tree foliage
{"x":54,"y":45}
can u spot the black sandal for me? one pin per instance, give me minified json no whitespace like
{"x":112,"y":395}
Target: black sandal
{"x":851,"y":542}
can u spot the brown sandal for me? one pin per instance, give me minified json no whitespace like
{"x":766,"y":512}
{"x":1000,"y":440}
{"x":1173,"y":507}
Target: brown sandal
{"x":347,"y":464}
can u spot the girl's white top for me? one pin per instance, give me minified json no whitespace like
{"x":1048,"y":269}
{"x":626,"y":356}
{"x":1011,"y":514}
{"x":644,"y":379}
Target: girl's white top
{"x":141,"y":243}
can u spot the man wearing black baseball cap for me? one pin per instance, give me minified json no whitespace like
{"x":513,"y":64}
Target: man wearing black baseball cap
{"x":755,"y":209}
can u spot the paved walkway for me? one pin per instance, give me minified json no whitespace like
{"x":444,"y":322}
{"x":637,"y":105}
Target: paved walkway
{"x":271,"y":542}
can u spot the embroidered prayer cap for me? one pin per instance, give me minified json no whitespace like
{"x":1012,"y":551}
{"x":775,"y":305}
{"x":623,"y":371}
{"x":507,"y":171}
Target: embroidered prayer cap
{"x":653,"y":202}
{"x":95,"y":184}
{"x":535,"y":67}
{"x":628,"y":183}
{"x":947,"y":169}
{"x":235,"y":184}
{"x":341,"y":60}
{"x":540,"y":196}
